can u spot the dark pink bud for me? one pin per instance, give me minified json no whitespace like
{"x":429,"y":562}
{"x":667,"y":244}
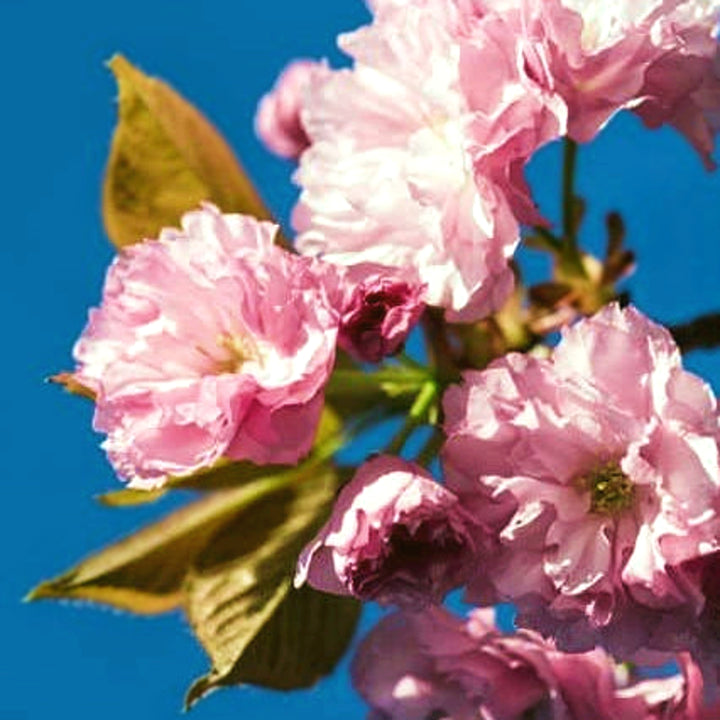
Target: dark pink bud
{"x":379,"y":315}
{"x":395,"y":536}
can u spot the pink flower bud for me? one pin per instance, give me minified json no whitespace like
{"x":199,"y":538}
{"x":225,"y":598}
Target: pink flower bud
{"x":278,"y":121}
{"x":379,"y":314}
{"x":395,"y":536}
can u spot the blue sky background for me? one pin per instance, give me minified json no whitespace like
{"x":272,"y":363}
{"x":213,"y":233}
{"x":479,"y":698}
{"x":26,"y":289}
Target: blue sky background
{"x":55,"y":126}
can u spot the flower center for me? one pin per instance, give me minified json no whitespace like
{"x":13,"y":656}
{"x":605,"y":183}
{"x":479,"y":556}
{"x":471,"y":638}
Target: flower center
{"x":611,"y":490}
{"x":235,"y":350}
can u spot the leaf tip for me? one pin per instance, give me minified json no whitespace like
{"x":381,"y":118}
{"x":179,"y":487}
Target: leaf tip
{"x":117,"y":63}
{"x":197,"y":691}
{"x":43,"y":591}
{"x":129,"y":497}
{"x":68,"y":382}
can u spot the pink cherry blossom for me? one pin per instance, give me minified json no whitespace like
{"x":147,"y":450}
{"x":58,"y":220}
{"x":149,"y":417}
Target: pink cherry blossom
{"x":657,"y":57}
{"x":682,"y":86}
{"x":702,"y":577}
{"x":395,"y":536}
{"x":416,"y":158}
{"x":394,"y":671}
{"x":604,"y":462}
{"x":593,"y":687}
{"x":210,"y":341}
{"x":278,"y":122}
{"x":415,"y":666}
{"x":380,"y":310}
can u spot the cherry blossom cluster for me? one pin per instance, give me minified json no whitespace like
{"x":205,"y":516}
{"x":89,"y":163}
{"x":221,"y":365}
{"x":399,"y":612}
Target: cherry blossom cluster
{"x":414,"y":157}
{"x":432,"y":664}
{"x":580,"y":482}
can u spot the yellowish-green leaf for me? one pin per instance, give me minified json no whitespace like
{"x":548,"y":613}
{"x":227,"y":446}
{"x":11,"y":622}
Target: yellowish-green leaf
{"x":329,"y":430}
{"x":130,"y":497}
{"x":353,"y":393}
{"x":392,"y":381}
{"x":241,"y":578}
{"x":302,"y":642}
{"x":223,"y":474}
{"x":165,"y":159}
{"x":145,"y":572}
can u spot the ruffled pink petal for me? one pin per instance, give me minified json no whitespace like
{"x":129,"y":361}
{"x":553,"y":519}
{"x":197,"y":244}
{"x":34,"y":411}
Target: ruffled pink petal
{"x":211,"y":341}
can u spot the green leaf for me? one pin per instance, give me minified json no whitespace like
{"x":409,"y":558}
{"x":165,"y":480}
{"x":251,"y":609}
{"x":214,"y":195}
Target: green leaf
{"x":145,"y":573}
{"x":238,"y":583}
{"x":393,"y":381}
{"x":130,"y":497}
{"x":165,"y":159}
{"x":387,"y":391}
{"x":329,"y":430}
{"x":221,"y":475}
{"x":304,"y":639}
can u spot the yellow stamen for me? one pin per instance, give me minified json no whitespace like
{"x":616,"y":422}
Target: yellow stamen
{"x":611,"y":490}
{"x":238,"y":349}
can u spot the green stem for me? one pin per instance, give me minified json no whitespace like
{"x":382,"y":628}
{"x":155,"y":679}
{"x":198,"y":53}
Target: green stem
{"x":553,"y":243}
{"x":572,"y":259}
{"x":423,"y":402}
{"x":568,"y":190}
{"x":394,"y":380}
{"x":431,"y":448}
{"x":440,"y":353}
